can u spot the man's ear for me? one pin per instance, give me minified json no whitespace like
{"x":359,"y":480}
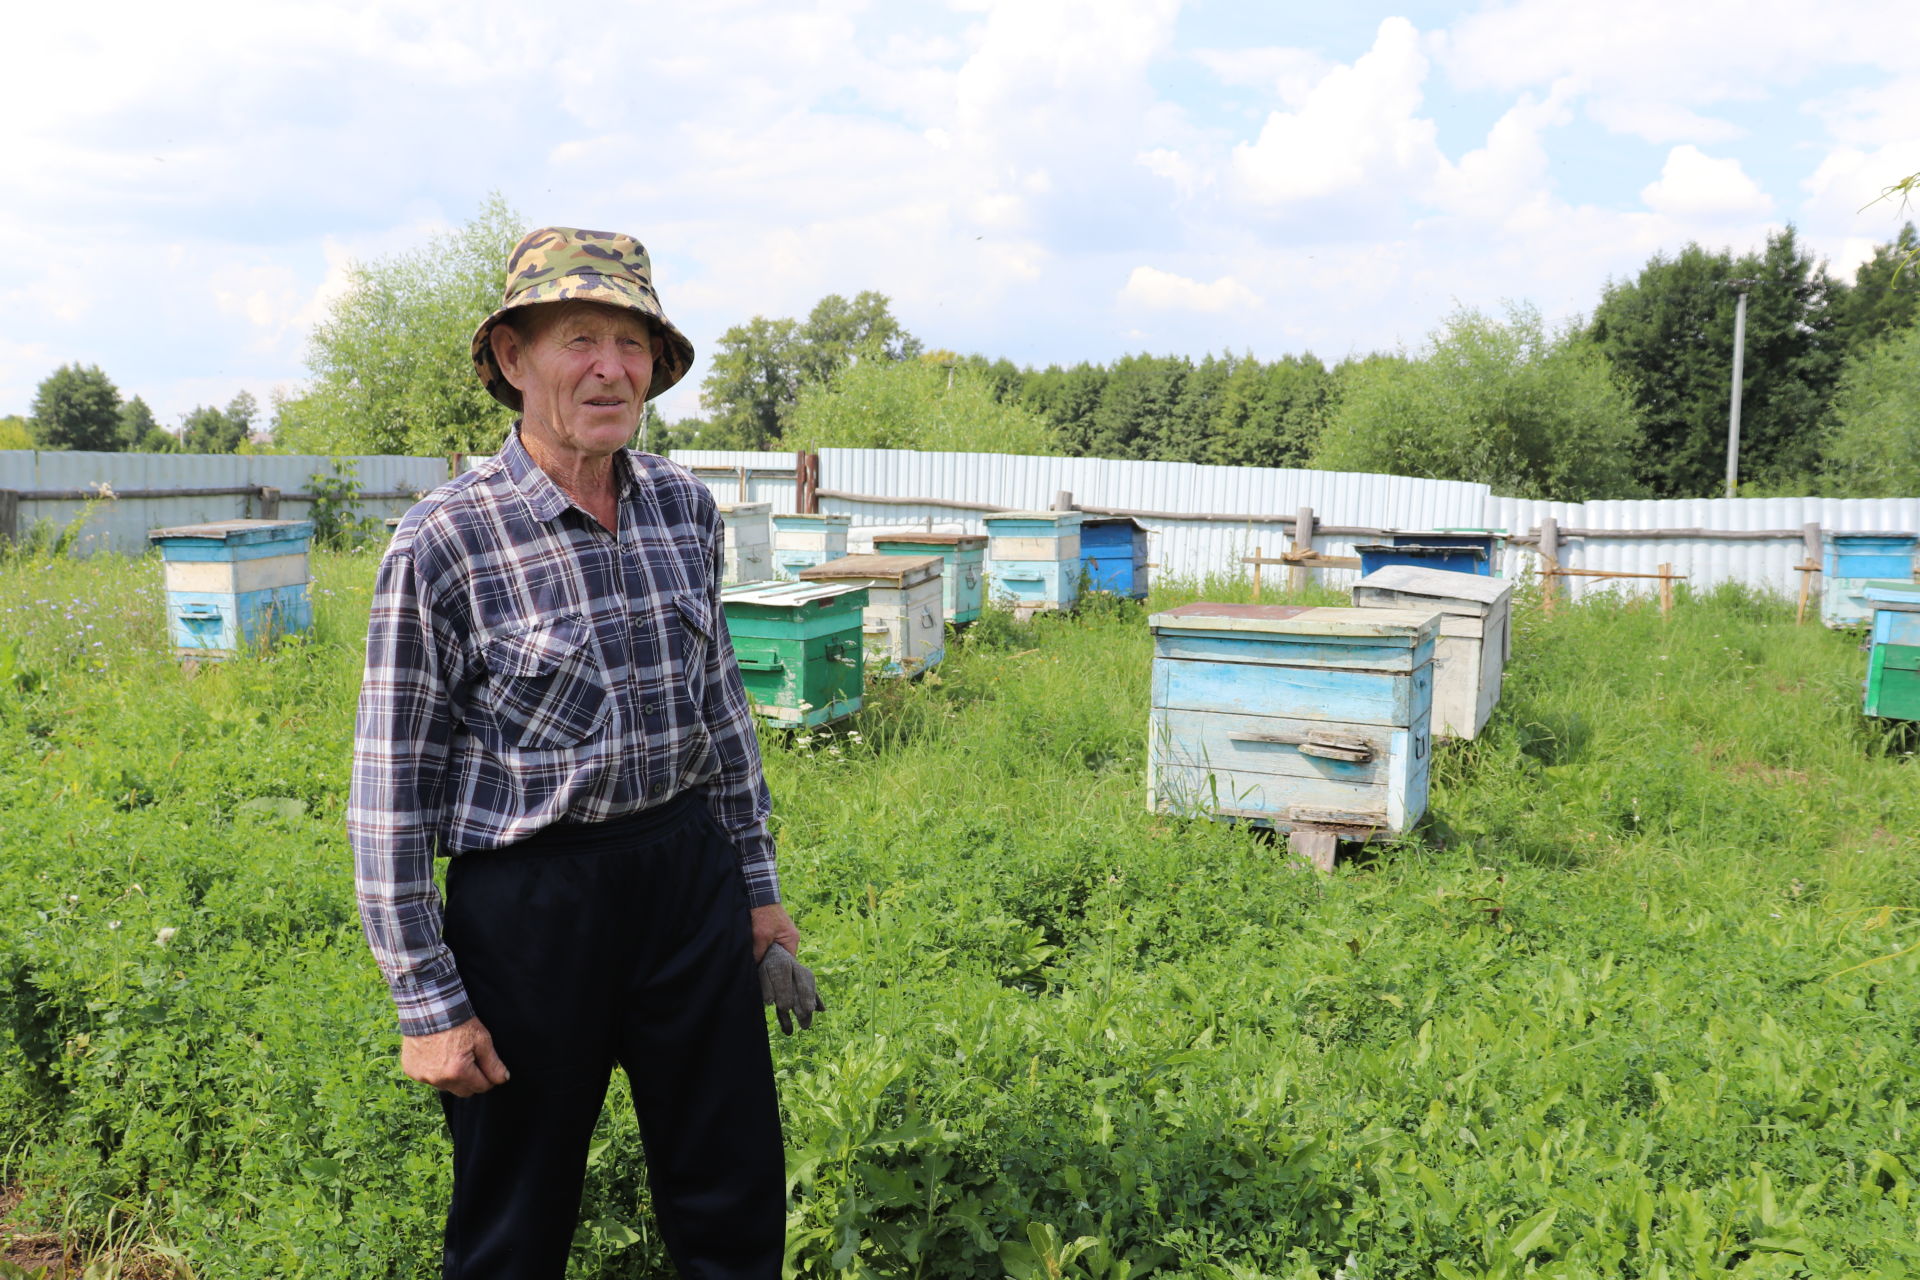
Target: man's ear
{"x":508,"y":352}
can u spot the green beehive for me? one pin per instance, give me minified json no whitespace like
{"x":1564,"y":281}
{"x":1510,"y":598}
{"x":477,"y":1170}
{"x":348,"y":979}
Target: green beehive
{"x":799,"y":649}
{"x":1893,"y":672}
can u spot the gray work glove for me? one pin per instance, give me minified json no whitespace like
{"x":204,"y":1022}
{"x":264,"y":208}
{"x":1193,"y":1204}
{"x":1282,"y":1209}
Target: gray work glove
{"x":787,"y":985}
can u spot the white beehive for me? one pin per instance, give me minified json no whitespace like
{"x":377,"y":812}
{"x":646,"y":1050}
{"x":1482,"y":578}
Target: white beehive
{"x":749,"y":549}
{"x":1476,"y":637}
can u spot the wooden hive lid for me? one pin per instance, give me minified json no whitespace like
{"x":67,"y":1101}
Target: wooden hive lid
{"x":1441,"y":585}
{"x":238,"y":531}
{"x":903,"y":570}
{"x":958,"y":541}
{"x":810,"y":517}
{"x":1055,"y":517}
{"x":1289,"y":619}
{"x":731,"y":509}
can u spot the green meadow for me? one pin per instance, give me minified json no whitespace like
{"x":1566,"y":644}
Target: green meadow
{"x":1639,"y":1002}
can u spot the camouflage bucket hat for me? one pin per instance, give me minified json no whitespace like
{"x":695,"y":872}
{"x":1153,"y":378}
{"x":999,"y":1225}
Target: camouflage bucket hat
{"x":561,"y":264}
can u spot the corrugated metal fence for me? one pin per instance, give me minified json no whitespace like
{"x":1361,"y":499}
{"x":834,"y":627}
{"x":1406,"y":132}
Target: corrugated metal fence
{"x":1202,"y":519}
{"x":157,"y":490}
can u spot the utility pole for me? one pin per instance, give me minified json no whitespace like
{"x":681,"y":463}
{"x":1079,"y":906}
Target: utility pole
{"x":1739,"y":365}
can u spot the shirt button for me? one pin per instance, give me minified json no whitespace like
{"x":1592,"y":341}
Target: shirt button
{"x":652,"y":708}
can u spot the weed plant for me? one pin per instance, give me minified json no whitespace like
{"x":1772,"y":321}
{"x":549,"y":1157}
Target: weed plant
{"x":1640,"y":1002}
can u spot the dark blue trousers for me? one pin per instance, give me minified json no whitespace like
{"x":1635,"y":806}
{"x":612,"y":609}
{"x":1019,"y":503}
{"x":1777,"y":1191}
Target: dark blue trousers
{"x":629,"y":942}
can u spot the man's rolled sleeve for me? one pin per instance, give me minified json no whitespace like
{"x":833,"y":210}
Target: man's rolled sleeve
{"x":396,"y":801}
{"x":738,"y":793}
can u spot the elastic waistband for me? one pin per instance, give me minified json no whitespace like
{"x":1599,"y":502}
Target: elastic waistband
{"x":626,"y":832}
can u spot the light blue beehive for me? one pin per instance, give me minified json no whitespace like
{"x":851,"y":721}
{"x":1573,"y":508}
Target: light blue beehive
{"x":1033,"y":560}
{"x":1293,"y":717}
{"x":802,"y":541}
{"x":233,"y":584}
{"x":1850,"y":562}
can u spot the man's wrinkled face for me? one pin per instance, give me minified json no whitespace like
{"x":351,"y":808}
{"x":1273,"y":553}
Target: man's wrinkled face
{"x":582,"y":370}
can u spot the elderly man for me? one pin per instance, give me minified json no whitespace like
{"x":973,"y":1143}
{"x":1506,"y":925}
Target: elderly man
{"x":551,"y":702}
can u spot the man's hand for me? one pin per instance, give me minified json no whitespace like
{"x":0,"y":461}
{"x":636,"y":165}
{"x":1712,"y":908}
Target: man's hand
{"x":771,"y":924}
{"x":459,"y":1060}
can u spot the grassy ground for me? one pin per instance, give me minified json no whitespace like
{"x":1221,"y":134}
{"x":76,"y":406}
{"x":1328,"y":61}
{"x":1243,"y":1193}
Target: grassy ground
{"x":1641,"y":1004}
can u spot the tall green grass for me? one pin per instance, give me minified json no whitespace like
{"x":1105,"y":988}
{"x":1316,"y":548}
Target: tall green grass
{"x":1640,"y":1002}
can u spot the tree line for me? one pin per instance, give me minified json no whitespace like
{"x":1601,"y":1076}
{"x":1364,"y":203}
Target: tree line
{"x":1630,"y":401}
{"x":79,"y":407}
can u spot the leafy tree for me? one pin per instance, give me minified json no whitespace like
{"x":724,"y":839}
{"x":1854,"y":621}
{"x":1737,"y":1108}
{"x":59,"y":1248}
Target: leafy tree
{"x":1270,"y":415}
{"x":1068,"y":398}
{"x":390,"y":366}
{"x":210,"y":430}
{"x":838,"y":334}
{"x":1884,"y":299}
{"x":15,"y":432}
{"x":1140,"y":392}
{"x":77,"y":407}
{"x":1670,"y":333}
{"x":1500,"y":402}
{"x":751,"y":384}
{"x":1873,"y":450}
{"x":759,"y":368}
{"x":930,"y":404}
{"x":136,"y":421}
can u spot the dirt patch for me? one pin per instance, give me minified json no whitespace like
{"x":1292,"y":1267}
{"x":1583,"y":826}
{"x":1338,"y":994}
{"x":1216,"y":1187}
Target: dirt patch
{"x":38,"y":1254}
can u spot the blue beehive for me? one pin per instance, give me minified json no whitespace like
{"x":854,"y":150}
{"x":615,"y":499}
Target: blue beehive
{"x":1033,"y":559}
{"x":1113,"y":552}
{"x":233,"y":584}
{"x":1851,"y":561}
{"x":1454,"y":552}
{"x":1292,"y":717}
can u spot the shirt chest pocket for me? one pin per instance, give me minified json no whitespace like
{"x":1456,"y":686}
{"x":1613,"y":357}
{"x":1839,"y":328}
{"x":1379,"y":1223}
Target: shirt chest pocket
{"x":691,"y":626}
{"x":543,"y":688}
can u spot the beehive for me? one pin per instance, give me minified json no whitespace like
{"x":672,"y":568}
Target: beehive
{"x":1893,"y":667}
{"x":1850,"y":562}
{"x":1033,"y":560}
{"x":1476,"y":637}
{"x":1113,"y":554}
{"x":963,"y":571}
{"x":802,"y":541}
{"x":902,"y":624}
{"x":1450,"y":550}
{"x":749,"y":542}
{"x":1293,"y":717}
{"x":799,"y":648}
{"x":232,"y":584}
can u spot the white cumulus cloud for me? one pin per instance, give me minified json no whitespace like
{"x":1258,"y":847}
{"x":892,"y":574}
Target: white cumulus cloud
{"x":1357,"y":127}
{"x":1160,"y":290}
{"x":1693,"y":184}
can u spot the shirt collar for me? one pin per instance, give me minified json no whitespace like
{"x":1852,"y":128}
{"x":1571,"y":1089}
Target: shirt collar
{"x":545,"y":498}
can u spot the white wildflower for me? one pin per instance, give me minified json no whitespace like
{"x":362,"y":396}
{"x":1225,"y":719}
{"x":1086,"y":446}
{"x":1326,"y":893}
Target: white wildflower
{"x":165,"y":936}
{"x":113,"y":924}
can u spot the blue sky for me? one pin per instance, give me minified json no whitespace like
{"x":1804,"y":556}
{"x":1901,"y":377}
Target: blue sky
{"x":1049,"y":180}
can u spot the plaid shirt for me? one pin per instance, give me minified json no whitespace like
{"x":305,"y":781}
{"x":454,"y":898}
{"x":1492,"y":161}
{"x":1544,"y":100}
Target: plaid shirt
{"x":525,"y":667}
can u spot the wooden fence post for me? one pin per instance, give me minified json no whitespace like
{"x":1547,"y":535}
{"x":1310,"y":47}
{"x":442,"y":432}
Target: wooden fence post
{"x":9,"y":515}
{"x":269,"y":502}
{"x":1549,"y":562}
{"x":1302,"y":542}
{"x":1666,"y":589}
{"x":456,"y":463}
{"x":1063,"y":500}
{"x":1257,"y":554}
{"x":1810,"y":564}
